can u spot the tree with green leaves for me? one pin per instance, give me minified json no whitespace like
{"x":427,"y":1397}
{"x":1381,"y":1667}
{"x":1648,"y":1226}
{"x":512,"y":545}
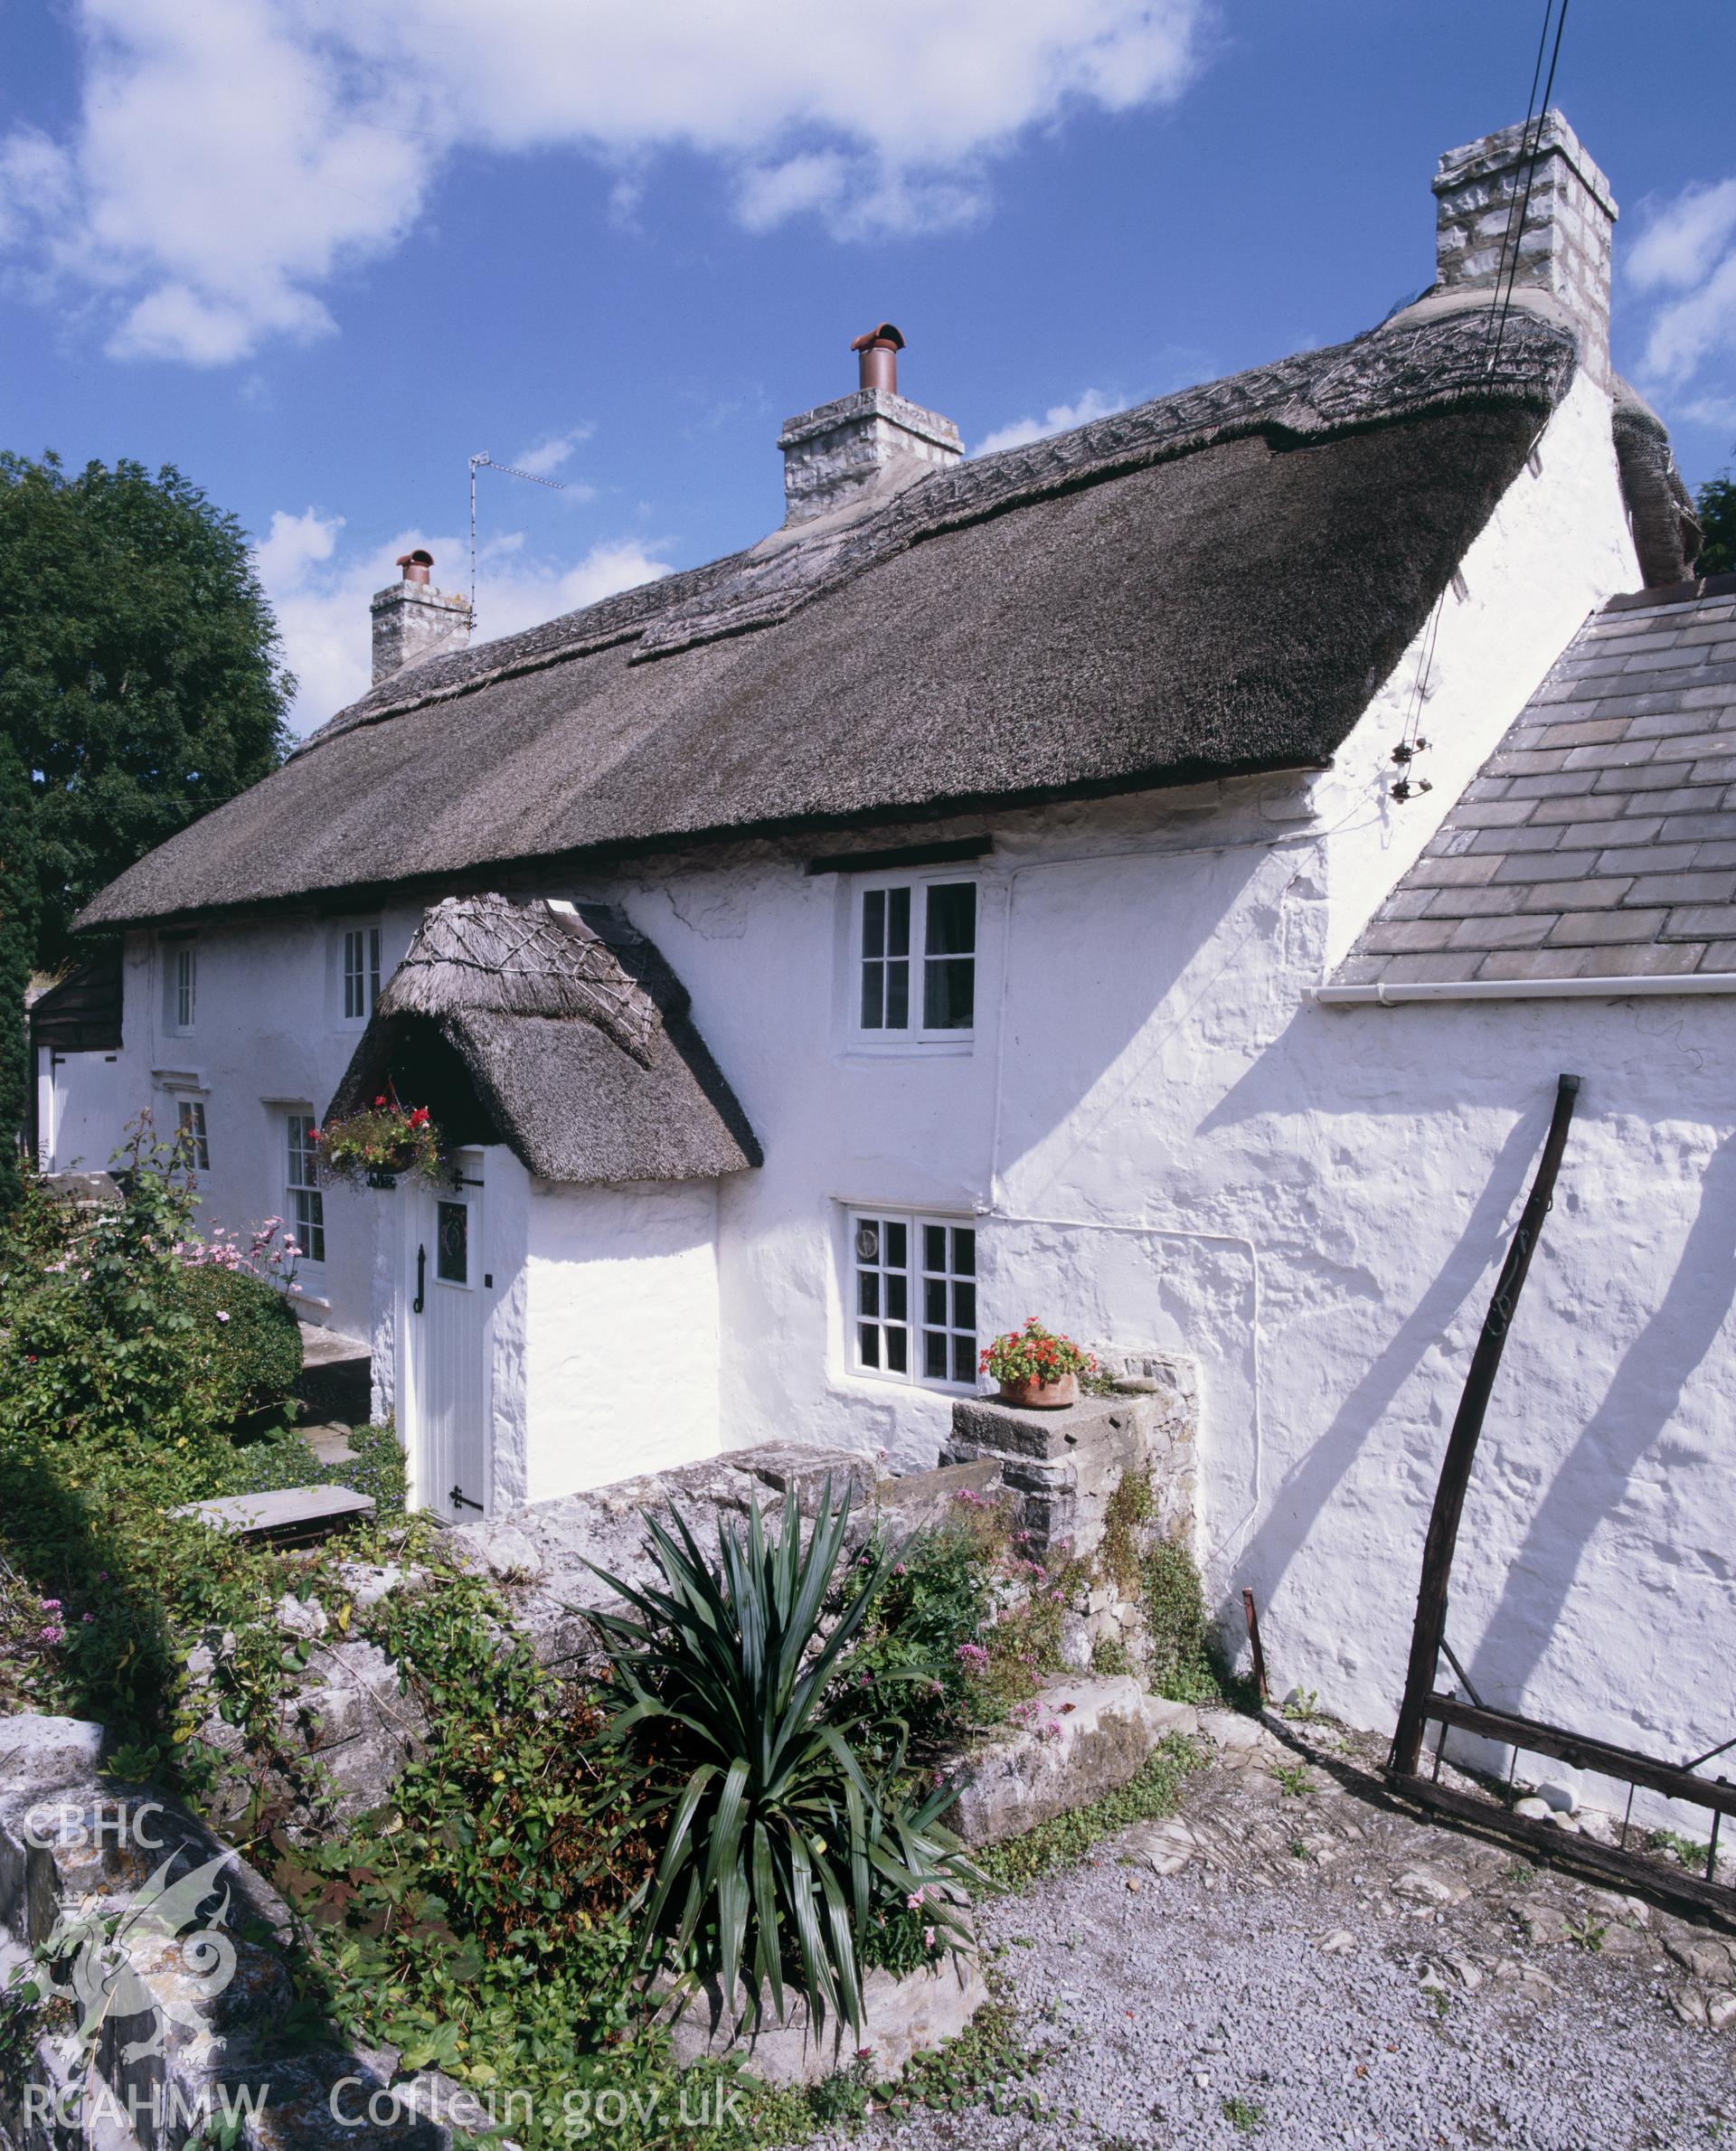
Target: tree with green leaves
{"x":141,"y":681}
{"x":1715,"y":504}
{"x":17,"y":946}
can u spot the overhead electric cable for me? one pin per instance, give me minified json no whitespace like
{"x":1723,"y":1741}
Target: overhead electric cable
{"x":1531,"y":142}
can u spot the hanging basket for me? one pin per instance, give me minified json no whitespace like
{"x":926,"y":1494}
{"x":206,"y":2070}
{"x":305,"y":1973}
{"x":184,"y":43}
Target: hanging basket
{"x":374,"y":1146}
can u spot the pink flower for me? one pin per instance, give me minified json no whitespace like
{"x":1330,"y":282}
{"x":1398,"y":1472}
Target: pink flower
{"x":928,"y":1937}
{"x":51,"y":1605}
{"x":913,"y":1902}
{"x":221,"y":1316}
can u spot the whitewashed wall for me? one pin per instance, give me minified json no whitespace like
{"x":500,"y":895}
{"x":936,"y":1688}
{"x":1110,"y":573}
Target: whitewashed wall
{"x":1166,"y":1142}
{"x":268,"y":1034}
{"x":620,"y":1335}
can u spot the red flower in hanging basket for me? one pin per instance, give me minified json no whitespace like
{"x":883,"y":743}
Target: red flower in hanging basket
{"x":380,"y":1141}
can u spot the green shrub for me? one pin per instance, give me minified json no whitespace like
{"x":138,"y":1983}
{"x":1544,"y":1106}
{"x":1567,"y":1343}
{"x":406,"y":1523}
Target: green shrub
{"x":96,"y":1343}
{"x":781,"y":1857}
{"x":964,"y":1625}
{"x":245,"y":1339}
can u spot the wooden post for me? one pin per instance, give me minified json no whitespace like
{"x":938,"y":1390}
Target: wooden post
{"x":1253,"y":1637}
{"x":1461,"y":1443}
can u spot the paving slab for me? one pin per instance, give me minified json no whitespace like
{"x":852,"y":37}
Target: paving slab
{"x":294,"y":1514}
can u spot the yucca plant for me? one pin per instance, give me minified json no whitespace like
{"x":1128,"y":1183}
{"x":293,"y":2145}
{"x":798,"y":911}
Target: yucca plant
{"x":780,"y":1854}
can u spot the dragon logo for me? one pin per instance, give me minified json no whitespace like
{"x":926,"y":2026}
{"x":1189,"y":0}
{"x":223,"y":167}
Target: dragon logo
{"x":154,"y":1958}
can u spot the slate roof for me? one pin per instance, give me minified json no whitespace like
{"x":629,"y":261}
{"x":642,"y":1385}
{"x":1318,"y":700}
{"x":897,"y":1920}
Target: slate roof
{"x":1599,"y":840}
{"x":574,"y":1035}
{"x":1212,"y":584}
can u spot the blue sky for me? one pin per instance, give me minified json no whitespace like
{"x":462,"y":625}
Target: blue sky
{"x":317,"y":252}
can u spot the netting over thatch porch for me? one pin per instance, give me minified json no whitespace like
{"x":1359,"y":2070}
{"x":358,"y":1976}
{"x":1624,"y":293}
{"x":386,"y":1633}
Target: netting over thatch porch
{"x":560,"y":1032}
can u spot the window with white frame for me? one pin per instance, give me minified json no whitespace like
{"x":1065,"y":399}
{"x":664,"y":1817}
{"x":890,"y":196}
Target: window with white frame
{"x":916,"y":957}
{"x":190,"y":1132}
{"x":303,"y":1205}
{"x":359,"y":972}
{"x":913,"y":1298}
{"x":180,"y":986}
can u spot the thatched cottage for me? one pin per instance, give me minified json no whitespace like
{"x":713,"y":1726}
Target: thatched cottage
{"x":1151,"y":878}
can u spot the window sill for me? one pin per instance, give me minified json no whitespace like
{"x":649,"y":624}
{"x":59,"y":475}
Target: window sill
{"x":309,"y":1299}
{"x":910,"y":1049}
{"x":952,"y":1391}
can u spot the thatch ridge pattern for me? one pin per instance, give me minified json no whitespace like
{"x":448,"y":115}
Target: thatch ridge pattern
{"x":574,"y":1035}
{"x":482,"y":954}
{"x":1380,"y":377}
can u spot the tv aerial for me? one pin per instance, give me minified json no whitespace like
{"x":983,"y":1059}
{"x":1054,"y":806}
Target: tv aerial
{"x":506,"y":471}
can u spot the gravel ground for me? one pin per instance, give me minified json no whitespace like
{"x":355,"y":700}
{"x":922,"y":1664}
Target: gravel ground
{"x":1315,"y":1968}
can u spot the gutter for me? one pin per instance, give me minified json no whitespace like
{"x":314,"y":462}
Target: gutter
{"x":1526,"y":989}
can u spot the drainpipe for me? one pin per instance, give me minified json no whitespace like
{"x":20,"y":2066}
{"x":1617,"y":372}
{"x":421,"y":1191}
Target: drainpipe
{"x":1526,"y":989}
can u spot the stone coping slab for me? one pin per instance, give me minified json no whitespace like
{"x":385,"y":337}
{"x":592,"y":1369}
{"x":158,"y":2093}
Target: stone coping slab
{"x":904,"y":2017}
{"x":289,"y":1512}
{"x":1016,"y":1430}
{"x":1084,"y":1740}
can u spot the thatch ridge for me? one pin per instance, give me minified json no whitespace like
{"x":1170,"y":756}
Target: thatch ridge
{"x":1208,"y":588}
{"x":474,"y":954}
{"x":1377,"y":378}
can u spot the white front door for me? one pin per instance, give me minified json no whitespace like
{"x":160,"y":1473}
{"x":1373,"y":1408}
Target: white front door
{"x":445,"y":1327}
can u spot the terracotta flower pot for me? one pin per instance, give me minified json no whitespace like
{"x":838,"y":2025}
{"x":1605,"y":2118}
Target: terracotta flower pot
{"x":1041,"y":1396}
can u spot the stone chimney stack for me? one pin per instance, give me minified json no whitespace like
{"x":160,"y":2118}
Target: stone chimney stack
{"x":1564,"y":246}
{"x":412,"y":620}
{"x":836,"y":452}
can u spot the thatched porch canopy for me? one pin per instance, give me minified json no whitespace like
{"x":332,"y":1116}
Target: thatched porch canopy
{"x":559,"y":1032}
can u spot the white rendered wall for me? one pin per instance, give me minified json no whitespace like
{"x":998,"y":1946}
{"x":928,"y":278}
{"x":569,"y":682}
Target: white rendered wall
{"x":620,"y":1345}
{"x":1165,"y":1142}
{"x":267,"y":1037}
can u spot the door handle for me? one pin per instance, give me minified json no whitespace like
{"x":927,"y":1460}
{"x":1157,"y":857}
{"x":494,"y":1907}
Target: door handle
{"x":421,"y":1280}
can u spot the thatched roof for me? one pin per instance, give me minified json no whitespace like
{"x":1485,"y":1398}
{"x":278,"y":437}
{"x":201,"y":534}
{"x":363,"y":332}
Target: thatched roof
{"x":573,"y":1040}
{"x":1210,"y":585}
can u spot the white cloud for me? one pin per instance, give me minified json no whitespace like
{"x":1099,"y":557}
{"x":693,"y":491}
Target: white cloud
{"x":228,"y":161}
{"x":1681,"y":239}
{"x":1060,"y":417}
{"x":543,"y":460}
{"x":320,"y":595}
{"x":1686,"y":253}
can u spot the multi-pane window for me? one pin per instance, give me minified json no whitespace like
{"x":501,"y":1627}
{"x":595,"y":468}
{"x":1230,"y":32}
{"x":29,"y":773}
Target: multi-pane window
{"x":180,"y":985}
{"x":190,"y":1132}
{"x":915,"y":1298}
{"x":361,"y":972}
{"x":917,"y":943}
{"x":304,"y":1204}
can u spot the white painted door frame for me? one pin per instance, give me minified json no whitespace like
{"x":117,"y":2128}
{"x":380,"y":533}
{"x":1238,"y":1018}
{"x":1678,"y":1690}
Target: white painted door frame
{"x":445,"y":1349}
